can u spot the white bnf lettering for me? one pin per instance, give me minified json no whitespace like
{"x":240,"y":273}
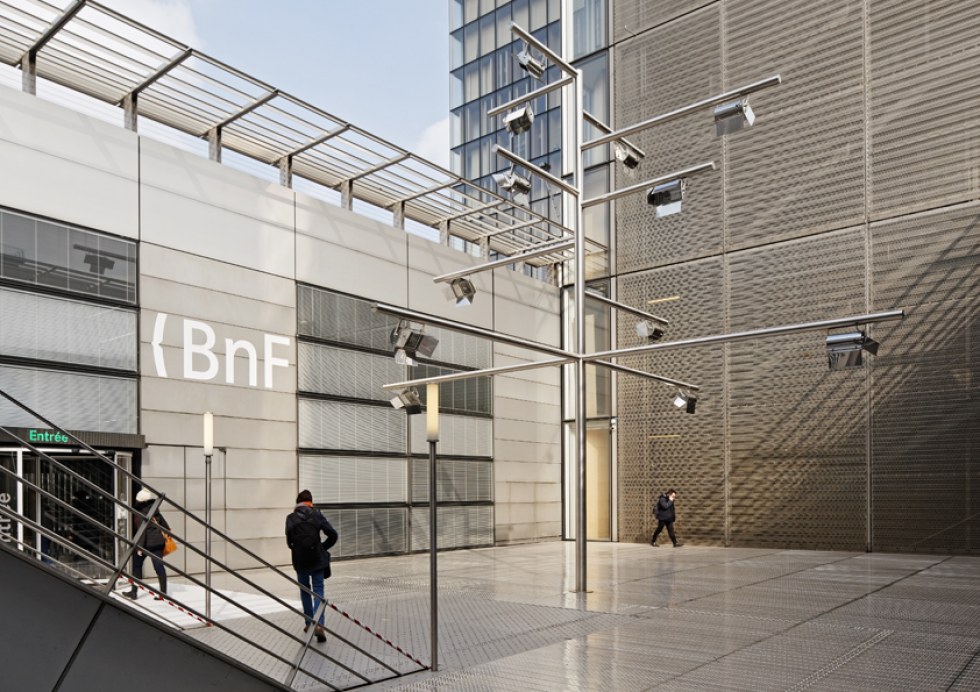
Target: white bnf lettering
{"x":190,"y":349}
{"x":233,"y":347}
{"x":270,"y":360}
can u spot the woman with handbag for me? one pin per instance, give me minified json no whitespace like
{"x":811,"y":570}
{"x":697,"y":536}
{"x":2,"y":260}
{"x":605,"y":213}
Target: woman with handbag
{"x":152,"y":541}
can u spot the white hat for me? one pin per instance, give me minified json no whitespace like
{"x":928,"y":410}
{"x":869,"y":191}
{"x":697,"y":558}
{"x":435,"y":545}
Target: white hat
{"x":145,"y":495}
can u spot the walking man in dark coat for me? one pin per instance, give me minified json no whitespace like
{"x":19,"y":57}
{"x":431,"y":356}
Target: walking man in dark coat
{"x":309,"y":555}
{"x":664,"y":510}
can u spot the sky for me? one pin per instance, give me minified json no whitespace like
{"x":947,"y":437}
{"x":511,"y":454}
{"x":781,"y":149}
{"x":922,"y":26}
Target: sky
{"x":382,"y":65}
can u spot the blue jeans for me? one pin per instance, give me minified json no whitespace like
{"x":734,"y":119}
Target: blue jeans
{"x":311,"y":579}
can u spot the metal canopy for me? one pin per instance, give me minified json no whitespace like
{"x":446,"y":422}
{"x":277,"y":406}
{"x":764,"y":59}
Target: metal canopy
{"x":93,"y":49}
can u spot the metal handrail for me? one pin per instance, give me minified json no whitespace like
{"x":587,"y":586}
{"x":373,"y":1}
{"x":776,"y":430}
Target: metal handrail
{"x":118,"y":569}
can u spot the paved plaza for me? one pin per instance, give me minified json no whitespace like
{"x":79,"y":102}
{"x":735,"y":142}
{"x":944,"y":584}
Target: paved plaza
{"x":691,"y":618}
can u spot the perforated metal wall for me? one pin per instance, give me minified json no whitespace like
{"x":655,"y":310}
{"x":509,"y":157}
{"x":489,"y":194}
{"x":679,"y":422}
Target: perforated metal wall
{"x":854,"y":192}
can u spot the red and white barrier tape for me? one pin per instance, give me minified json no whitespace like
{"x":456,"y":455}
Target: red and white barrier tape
{"x":386,"y":641}
{"x":169,"y":602}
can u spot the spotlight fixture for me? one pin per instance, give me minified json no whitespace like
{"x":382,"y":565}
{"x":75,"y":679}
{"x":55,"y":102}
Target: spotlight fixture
{"x":844,"y":350}
{"x":733,"y":116}
{"x":627,"y":155}
{"x":409,"y":400}
{"x":646,"y":329}
{"x":666,"y":197}
{"x":518,"y":121}
{"x":463,"y":291}
{"x":682,"y":399}
{"x":517,"y":185}
{"x":409,"y":341}
{"x":529,"y":63}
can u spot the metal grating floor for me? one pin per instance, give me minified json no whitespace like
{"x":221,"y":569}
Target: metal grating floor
{"x":692,"y":619}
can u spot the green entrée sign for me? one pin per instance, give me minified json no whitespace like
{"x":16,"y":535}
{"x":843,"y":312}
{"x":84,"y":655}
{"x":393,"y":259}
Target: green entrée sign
{"x":47,"y":436}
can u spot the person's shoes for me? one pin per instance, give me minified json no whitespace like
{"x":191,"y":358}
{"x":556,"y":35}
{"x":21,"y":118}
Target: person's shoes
{"x":678,"y":545}
{"x":159,"y":597}
{"x":306,"y":628}
{"x":652,"y":544}
{"x":130,"y":594}
{"x":321,"y":635}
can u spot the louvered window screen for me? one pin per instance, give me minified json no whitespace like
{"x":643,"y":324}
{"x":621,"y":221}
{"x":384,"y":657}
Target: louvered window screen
{"x":461,"y":396}
{"x":369,"y":530}
{"x":459,"y":436}
{"x":458,"y":527}
{"x":67,"y":331}
{"x":353,"y":374}
{"x":458,"y":480}
{"x":339,"y":480}
{"x":356,"y":427}
{"x":343,"y":319}
{"x":74,"y":401}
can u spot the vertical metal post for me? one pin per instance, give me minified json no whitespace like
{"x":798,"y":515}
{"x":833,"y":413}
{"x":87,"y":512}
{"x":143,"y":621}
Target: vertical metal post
{"x":214,"y":144}
{"x":207,"y":536}
{"x":581,"y":557}
{"x":130,"y":112}
{"x":28,"y":69}
{"x":286,"y":171}
{"x":347,"y":194}
{"x":432,"y":435}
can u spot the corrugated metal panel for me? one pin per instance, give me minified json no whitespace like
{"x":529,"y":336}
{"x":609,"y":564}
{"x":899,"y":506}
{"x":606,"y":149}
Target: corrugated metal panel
{"x":458,"y":436}
{"x":341,"y":425}
{"x":355,"y":374}
{"x":73,"y":401}
{"x":644,"y":88}
{"x":800,"y":168}
{"x":924,"y":93}
{"x":338,"y":480}
{"x":369,"y":530}
{"x":458,"y":527}
{"x":336,"y":317}
{"x":457,"y":480}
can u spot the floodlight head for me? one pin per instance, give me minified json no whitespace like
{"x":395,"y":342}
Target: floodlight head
{"x":409,"y":341}
{"x":733,"y":116}
{"x":686,"y":401}
{"x":463,"y":291}
{"x":647,"y":329}
{"x":845,"y":350}
{"x":529,"y":63}
{"x":409,"y":400}
{"x":518,"y":121}
{"x":627,"y":155}
{"x":666,"y":198}
{"x":518,"y":186}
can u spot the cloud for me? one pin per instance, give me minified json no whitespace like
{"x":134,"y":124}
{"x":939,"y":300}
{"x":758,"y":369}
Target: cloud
{"x":172,"y":18}
{"x":434,"y":143}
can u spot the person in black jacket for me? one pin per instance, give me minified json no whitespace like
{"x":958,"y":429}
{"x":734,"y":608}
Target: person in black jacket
{"x":151,"y":542}
{"x":664,"y":510}
{"x":309,"y":555}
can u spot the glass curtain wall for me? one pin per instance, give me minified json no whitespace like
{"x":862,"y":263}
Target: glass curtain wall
{"x":366,"y":462}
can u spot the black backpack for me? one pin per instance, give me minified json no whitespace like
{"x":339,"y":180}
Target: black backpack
{"x":306,"y":543}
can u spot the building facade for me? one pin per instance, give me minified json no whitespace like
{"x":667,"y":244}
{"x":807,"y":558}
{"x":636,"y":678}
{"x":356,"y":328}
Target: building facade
{"x":142,"y":284}
{"x":855,"y":191}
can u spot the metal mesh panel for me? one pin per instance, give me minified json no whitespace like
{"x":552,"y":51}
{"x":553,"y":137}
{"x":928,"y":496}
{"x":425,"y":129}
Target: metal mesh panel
{"x":457,"y":480}
{"x":73,"y":401}
{"x":925,"y":401}
{"x":458,"y":527}
{"x":660,"y":446}
{"x":369,"y":530}
{"x":336,"y":480}
{"x":330,"y":370}
{"x":67,"y":331}
{"x":458,"y":436}
{"x":633,"y":16}
{"x":801,"y":167}
{"x":342,"y":425}
{"x":924,"y":91}
{"x":691,"y":47}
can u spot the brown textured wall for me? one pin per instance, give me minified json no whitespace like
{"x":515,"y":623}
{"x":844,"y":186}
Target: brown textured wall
{"x":856,"y":191}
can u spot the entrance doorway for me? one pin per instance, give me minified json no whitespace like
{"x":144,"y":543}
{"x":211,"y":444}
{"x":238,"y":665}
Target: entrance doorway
{"x":78,"y":533}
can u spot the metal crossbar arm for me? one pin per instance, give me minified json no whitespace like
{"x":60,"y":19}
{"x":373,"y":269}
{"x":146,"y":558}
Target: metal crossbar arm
{"x":470,"y":374}
{"x":589,"y":118}
{"x":625,"y":308}
{"x":647,"y":375}
{"x":625,"y":191}
{"x":548,"y":53}
{"x":56,"y":26}
{"x":553,"y":179}
{"x":530,"y":96}
{"x":680,"y":112}
{"x":156,"y":76}
{"x":415,"y":316}
{"x":503,"y":262}
{"x":753,"y":334}
{"x":257,"y":103}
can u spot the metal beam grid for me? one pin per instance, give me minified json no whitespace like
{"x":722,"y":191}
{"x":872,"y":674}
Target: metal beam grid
{"x":92,"y":49}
